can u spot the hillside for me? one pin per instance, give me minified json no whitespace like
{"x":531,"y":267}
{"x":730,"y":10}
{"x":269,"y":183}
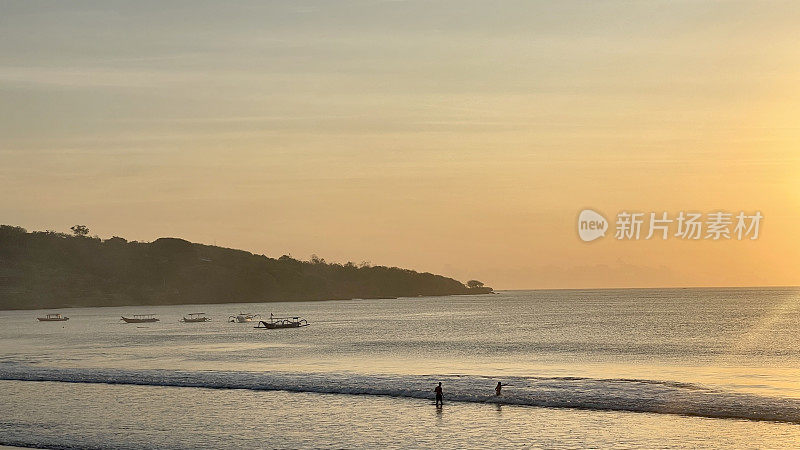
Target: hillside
{"x":50,"y":270}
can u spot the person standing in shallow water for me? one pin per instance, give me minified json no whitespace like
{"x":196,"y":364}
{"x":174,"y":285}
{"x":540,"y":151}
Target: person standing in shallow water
{"x":438,"y":390}
{"x":498,"y":389}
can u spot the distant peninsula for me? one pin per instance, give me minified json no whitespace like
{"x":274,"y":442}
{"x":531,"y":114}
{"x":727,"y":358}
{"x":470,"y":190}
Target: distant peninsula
{"x":48,"y":269}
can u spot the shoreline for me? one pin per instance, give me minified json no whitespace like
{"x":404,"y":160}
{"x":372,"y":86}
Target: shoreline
{"x":246,"y":302}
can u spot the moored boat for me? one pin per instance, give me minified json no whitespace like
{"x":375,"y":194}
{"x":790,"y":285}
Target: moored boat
{"x":195,"y":318}
{"x":52,"y":318}
{"x":140,"y":318}
{"x":282,"y":322}
{"x":243,"y":317}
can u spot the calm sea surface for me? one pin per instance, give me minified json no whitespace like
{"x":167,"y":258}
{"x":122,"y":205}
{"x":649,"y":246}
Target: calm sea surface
{"x":630,"y":368}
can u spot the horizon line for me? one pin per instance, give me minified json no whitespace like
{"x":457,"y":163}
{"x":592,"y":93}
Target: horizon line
{"x":776,"y":286}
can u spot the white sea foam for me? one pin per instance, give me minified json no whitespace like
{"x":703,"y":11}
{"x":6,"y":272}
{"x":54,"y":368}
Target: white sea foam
{"x":651,"y":396}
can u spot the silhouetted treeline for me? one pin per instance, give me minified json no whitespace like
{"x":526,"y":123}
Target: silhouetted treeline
{"x":50,"y":269}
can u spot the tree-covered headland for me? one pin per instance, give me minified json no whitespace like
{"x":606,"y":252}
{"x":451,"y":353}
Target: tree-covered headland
{"x":48,"y":269}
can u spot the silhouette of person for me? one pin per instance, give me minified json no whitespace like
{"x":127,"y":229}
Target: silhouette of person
{"x":498,"y":388}
{"x":438,"y":391}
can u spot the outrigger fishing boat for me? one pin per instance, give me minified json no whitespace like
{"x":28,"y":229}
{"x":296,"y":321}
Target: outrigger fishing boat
{"x":141,"y":318}
{"x":196,"y":317}
{"x":282,"y":322}
{"x":243,"y":317}
{"x":52,"y":318}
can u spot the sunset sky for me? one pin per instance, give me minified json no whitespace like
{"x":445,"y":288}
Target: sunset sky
{"x":456,"y":137}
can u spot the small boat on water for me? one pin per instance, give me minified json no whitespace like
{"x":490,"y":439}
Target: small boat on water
{"x":140,"y":318}
{"x":195,"y":318}
{"x":243,"y":317}
{"x":52,"y":318}
{"x":282,"y":322}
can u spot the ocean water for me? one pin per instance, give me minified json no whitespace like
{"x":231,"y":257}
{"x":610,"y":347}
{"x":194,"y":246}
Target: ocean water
{"x":583,"y":368}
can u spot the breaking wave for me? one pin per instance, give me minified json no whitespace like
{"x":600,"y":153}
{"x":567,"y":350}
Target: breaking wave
{"x":635,"y":395}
